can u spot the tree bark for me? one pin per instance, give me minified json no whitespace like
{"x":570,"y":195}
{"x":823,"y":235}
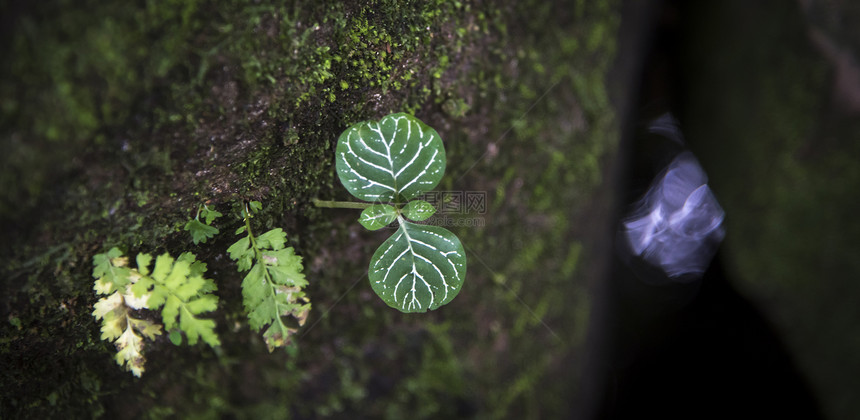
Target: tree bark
{"x":120,"y":119}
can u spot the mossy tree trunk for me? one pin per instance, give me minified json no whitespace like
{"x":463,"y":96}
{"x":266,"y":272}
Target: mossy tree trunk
{"x":120,"y":119}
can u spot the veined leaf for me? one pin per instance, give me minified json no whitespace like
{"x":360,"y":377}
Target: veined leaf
{"x":396,"y":157}
{"x":377,"y":216}
{"x":419,"y":268}
{"x":418,"y":210}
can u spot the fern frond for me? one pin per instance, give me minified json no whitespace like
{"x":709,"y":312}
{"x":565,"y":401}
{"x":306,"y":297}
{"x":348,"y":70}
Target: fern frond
{"x":272,"y":288}
{"x":178,"y":287}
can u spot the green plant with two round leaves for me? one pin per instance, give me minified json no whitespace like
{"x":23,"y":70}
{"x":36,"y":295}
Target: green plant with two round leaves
{"x":388,"y":163}
{"x":177,"y":287}
{"x":273,"y":287}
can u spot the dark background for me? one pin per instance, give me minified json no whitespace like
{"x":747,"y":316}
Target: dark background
{"x":764,"y":94}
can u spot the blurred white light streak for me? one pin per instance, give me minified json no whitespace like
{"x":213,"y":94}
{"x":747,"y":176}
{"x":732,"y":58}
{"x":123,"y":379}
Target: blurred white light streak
{"x":678,"y":224}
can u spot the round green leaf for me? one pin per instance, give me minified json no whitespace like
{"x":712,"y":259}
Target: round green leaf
{"x":175,"y":337}
{"x":396,"y":156}
{"x":419,"y":268}
{"x":418,"y":210}
{"x":377,"y":216}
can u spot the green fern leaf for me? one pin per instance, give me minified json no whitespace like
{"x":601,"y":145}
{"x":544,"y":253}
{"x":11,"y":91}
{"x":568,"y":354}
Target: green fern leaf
{"x":210,"y":215}
{"x":274,"y":239}
{"x":272,"y":288}
{"x":130,"y":351}
{"x":143,"y":261}
{"x":185,"y":294}
{"x":196,"y":328}
{"x":241,"y":252}
{"x":110,"y":271}
{"x":199,"y":231}
{"x":177,"y":287}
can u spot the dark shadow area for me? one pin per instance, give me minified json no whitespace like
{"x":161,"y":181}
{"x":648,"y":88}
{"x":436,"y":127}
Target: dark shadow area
{"x":687,"y":350}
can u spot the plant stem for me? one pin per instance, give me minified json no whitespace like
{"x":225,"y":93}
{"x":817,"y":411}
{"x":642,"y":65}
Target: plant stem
{"x":342,"y":204}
